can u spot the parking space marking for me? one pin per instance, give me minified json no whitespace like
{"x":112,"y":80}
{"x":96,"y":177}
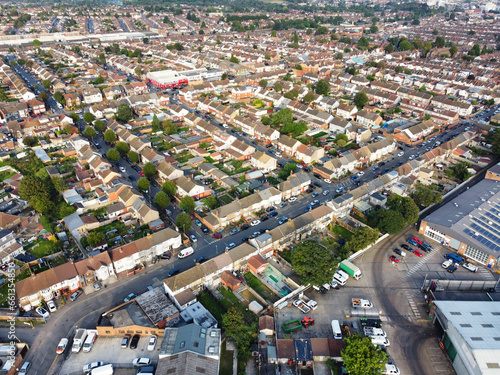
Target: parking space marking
{"x":486,"y":274}
{"x":422,"y":261}
{"x":413,"y":306}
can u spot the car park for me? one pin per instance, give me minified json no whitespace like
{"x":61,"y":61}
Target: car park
{"x":406,"y":247}
{"x":152,"y":343}
{"x":134,"y":341}
{"x":447,"y":263}
{"x":400,"y":252}
{"x":232,"y":245}
{"x":411,"y":241}
{"x":470,"y":267}
{"x":419,"y":242}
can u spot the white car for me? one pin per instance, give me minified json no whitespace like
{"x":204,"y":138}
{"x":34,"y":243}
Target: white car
{"x":89,"y":366}
{"x":327,"y":180}
{"x":361,"y":173}
{"x":255,"y":222}
{"x":61,"y":347}
{"x":140,"y":362}
{"x":470,"y":267}
{"x":339,"y":190}
{"x":152,"y":343}
{"x":401,"y":153}
{"x":232,"y":245}
{"x":225,"y":126}
{"x":193,"y":238}
{"x":24,"y":369}
{"x":292,"y":199}
{"x":312,"y":304}
{"x":122,"y":169}
{"x":41,"y":311}
{"x":447,"y":263}
{"x":52,"y":306}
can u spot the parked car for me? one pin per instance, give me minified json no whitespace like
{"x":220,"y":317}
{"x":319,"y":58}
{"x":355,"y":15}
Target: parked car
{"x":204,"y":229}
{"x":339,"y":190}
{"x":411,"y":241}
{"x":255,"y":222}
{"x":400,"y":252}
{"x":315,"y":202}
{"x":315,"y":194}
{"x":232,"y":245}
{"x":392,"y":258}
{"x":61,"y":347}
{"x":134,"y":341}
{"x":130,"y":297}
{"x":217,"y":235}
{"x":52,"y":306}
{"x":41,"y":311}
{"x":283,"y":220}
{"x":292,"y":199}
{"x":273,"y":214}
{"x":166,"y":255}
{"x":326,"y":192}
{"x":75,"y":295}
{"x":470,"y":267}
{"x":419,"y":242}
{"x":418,"y":253}
{"x":140,"y":362}
{"x":234,"y":231}
{"x":24,"y":368}
{"x":327,"y":180}
{"x":152,"y":343}
{"x":452,"y":268}
{"x":193,"y":238}
{"x":264,"y":218}
{"x":197,"y":222}
{"x":173,"y":272}
{"x":125,"y":341}
{"x":406,"y":247}
{"x":447,"y":263}
{"x":89,"y":366}
{"x":245,"y":227}
{"x":201,"y":260}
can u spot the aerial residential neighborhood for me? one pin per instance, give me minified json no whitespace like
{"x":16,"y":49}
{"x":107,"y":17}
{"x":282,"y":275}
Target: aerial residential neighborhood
{"x":249,"y":187}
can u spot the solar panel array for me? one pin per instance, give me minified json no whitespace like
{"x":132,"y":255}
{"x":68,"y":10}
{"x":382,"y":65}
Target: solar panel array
{"x":486,"y":228}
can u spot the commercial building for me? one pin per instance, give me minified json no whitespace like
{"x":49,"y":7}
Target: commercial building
{"x":470,"y":335}
{"x":470,"y":223}
{"x":167,"y":79}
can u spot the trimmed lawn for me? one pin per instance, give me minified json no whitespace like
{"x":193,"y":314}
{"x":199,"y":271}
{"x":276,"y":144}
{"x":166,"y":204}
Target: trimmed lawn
{"x":342,"y":232}
{"x":259,"y":287}
{"x":41,"y":248}
{"x":226,"y":360}
{"x":225,"y":199}
{"x":212,"y":305}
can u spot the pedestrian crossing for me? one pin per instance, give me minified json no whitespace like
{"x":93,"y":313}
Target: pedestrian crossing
{"x":422,"y":261}
{"x":485,"y":274}
{"x":410,"y":295}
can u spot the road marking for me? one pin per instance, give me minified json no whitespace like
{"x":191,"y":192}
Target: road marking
{"x":486,"y":274}
{"x":413,"y":306}
{"x":422,"y":261}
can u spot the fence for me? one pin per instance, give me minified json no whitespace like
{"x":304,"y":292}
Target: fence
{"x":361,"y":252}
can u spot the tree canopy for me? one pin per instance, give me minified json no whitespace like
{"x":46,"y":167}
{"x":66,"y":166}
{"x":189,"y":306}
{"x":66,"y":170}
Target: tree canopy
{"x":187,"y":204}
{"x":361,"y":357}
{"x":89,"y":132}
{"x":169,"y":187}
{"x":124,"y":113}
{"x":143,"y":183}
{"x":323,"y":87}
{"x":425,"y":195}
{"x":110,"y":136}
{"x":361,"y":238}
{"x":122,"y":147}
{"x":88,"y":117}
{"x":113,"y":155}
{"x":149,"y":170}
{"x":360,"y":99}
{"x":183,"y":221}
{"x":161,"y":199}
{"x":313,"y":263}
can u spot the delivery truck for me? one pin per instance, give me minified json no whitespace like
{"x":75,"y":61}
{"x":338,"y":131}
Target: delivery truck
{"x":351,"y":269}
{"x":359,"y":302}
{"x":80,"y":336}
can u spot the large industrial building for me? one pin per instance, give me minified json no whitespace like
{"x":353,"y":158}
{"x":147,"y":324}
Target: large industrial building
{"x":170,"y":78}
{"x":470,"y":223}
{"x":470,"y":335}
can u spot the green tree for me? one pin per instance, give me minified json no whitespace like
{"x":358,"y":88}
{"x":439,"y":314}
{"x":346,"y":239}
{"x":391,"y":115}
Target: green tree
{"x":113,"y":155}
{"x":363,"y":43}
{"x":32,"y":188}
{"x":278,"y":87}
{"x":360,"y":99}
{"x":36,"y":43}
{"x":110,"y":136}
{"x":361,"y":238}
{"x":68,"y":129}
{"x":46,"y":84}
{"x":99,"y":125}
{"x":169,"y":187}
{"x":122,"y":147}
{"x":234,"y":59}
{"x":405,"y":206}
{"x":88,"y":117}
{"x":133,"y":156}
{"x":339,"y":56}
{"x":313,"y":263}
{"x":440,"y":42}
{"x":187,"y":204}
{"x":74,"y":117}
{"x":361,"y":357}
{"x":143,"y":183}
{"x":476,"y":50}
{"x":459,"y":171}
{"x":233,"y":321}
{"x":453,"y":50}
{"x":323,"y":87}
{"x":149,"y":170}
{"x":59,"y":184}
{"x":405,"y":45}
{"x":426,"y":195}
{"x":170,"y":127}
{"x":155,"y":123}
{"x":183,"y":222}
{"x":273,"y":34}
{"x":30,"y":141}
{"x":89,"y":132}
{"x":308,"y":98}
{"x":389,"y":48}
{"x":124,"y":113}
{"x":292,"y":94}
{"x":95,"y":238}
{"x":211,"y":202}
{"x":43,"y":96}
{"x":45,"y":206}
{"x":47,"y":223}
{"x":263,"y":83}
{"x":388,"y":221}
{"x":290,"y":167}
{"x":58,"y":96}
{"x":161,"y":200}
{"x":223,"y":76}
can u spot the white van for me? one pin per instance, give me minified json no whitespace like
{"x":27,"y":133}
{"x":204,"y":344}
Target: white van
{"x":103,"y":370}
{"x":339,"y":278}
{"x":89,"y":341}
{"x":380,"y":340}
{"x":186,"y":252}
{"x":391,"y":370}
{"x":337,"y":333}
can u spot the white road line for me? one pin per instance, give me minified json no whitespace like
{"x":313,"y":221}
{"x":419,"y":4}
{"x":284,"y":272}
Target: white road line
{"x":424,"y":260}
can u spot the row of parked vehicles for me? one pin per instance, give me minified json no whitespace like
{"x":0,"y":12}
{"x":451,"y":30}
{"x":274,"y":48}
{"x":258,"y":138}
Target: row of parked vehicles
{"x":414,"y":241}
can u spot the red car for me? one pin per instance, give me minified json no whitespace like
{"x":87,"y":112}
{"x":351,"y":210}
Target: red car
{"x":192,"y":216}
{"x":141,"y":173}
{"x":392,"y":258}
{"x":417,"y":240}
{"x":217,"y":235}
{"x":418,"y":253}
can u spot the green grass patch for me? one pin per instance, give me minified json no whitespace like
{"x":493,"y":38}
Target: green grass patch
{"x":226,"y":360}
{"x":273,"y":181}
{"x":212,"y":305}
{"x":41,"y":248}
{"x":342,"y":232}
{"x":4,"y":293}
{"x":184,"y":159}
{"x":259,"y":287}
{"x":229,"y":295}
{"x":225,"y":199}
{"x":320,"y":134}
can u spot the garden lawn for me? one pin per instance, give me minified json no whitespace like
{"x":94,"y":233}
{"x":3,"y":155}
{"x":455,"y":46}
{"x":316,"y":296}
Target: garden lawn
{"x":225,"y":199}
{"x":212,"y":305}
{"x":226,"y":360}
{"x":259,"y":287}
{"x":342,"y":232}
{"x":41,"y":248}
